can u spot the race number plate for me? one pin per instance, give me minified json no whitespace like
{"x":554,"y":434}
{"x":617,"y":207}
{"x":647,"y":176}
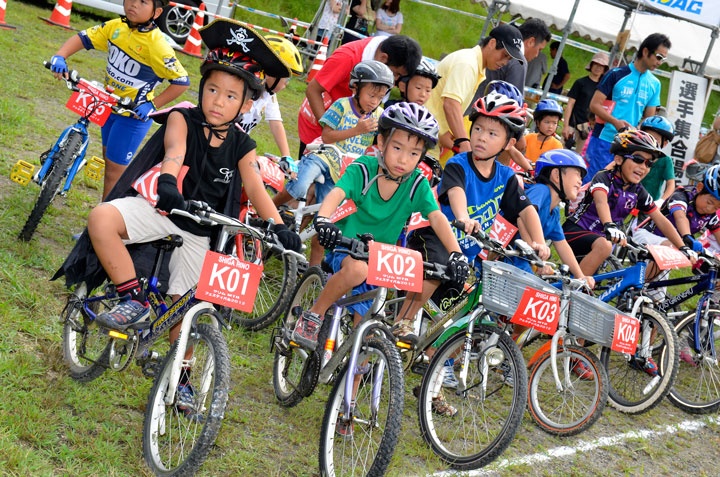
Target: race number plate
{"x":502,"y":231}
{"x":146,"y":184}
{"x":271,"y":173}
{"x":625,"y":337}
{"x":346,"y":208}
{"x":228,"y":281}
{"x":395,"y":267}
{"x":538,"y":310}
{"x":82,"y":102}
{"x":668,"y":257}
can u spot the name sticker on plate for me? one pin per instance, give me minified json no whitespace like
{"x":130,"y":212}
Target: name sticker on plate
{"x":668,"y":257}
{"x":395,"y":267}
{"x":90,"y":98}
{"x":538,"y":310}
{"x":228,"y":281}
{"x":625,"y":336}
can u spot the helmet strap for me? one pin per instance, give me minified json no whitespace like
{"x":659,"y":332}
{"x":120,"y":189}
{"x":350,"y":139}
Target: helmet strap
{"x":483,"y":159}
{"x":381,"y":163}
{"x":270,"y":88}
{"x":140,"y":27}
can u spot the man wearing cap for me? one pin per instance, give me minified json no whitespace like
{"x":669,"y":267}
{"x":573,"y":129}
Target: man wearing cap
{"x":630,"y":93}
{"x":461,"y":73}
{"x":575,"y":122}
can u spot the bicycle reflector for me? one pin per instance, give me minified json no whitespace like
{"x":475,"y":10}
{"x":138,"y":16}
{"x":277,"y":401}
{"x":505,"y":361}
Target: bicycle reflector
{"x":95,"y":168}
{"x":22,"y":172}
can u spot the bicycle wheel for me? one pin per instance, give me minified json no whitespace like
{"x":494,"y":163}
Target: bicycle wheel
{"x":581,"y":401}
{"x":296,"y":371}
{"x":697,"y":387}
{"x":177,"y":437}
{"x":85,"y":346}
{"x":274,"y":291}
{"x":631,"y":389}
{"x":363,"y":442}
{"x":51,"y":183}
{"x":489,"y":412}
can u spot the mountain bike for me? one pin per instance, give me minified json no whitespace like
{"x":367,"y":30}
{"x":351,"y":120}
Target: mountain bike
{"x":67,"y":156}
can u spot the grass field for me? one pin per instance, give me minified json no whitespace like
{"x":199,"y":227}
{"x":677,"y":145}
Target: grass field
{"x":51,"y":425}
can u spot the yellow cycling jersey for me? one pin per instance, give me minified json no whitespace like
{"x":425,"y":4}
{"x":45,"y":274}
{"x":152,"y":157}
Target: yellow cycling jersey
{"x":138,"y":61}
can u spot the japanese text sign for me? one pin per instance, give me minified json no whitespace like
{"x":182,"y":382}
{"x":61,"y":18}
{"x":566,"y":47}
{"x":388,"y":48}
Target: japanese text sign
{"x":538,"y":310}
{"x":90,"y":98}
{"x":668,"y":257}
{"x":395,"y":267}
{"x":228,"y":281}
{"x":625,"y":336}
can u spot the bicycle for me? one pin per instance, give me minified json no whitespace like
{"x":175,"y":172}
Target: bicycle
{"x":67,"y":156}
{"x":178,"y":432}
{"x":362,"y":419}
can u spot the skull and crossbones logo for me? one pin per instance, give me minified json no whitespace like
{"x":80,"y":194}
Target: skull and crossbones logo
{"x":240,"y":37}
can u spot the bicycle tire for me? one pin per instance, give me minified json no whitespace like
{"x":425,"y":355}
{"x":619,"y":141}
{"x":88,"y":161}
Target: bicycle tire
{"x":175,"y":443}
{"x":630,"y":389}
{"x":296,"y":371}
{"x":85,"y":347}
{"x":51,"y":183}
{"x":274,"y":291}
{"x":543,"y":392}
{"x":378,"y":429}
{"x":697,"y":387}
{"x":482,"y":428}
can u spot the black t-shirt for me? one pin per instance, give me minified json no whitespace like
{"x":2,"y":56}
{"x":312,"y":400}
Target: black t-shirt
{"x":582,"y":92}
{"x":352,"y":23}
{"x":211,"y":169}
{"x":562,"y":70}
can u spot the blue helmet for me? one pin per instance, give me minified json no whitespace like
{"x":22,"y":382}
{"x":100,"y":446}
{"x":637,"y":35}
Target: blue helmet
{"x":505,"y":88}
{"x":712,"y":181}
{"x":559,"y":158}
{"x":547,"y":107}
{"x":660,"y":125}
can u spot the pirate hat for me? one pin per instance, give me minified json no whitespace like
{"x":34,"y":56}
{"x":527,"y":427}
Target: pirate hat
{"x":230,"y":34}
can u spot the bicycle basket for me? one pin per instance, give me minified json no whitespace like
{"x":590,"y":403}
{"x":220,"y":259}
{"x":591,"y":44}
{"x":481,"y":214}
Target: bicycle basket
{"x":504,"y":285}
{"x":591,"y":318}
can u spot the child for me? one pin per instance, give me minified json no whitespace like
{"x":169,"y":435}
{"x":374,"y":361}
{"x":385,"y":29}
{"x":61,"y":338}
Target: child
{"x":350,"y":124}
{"x":547,"y":115}
{"x":329,"y":19}
{"x":611,"y":197}
{"x":139,"y":58}
{"x":513,"y":154}
{"x":660,"y":181}
{"x":474,"y":187}
{"x":267,"y":104}
{"x":417,"y":87}
{"x":387,"y":190}
{"x":207,"y":140}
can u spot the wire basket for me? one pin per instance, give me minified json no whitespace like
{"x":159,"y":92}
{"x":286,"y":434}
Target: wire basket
{"x":591,"y":318}
{"x":504,"y":285}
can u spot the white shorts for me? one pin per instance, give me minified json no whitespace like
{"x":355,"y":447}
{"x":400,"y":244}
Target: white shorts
{"x":647,"y":238}
{"x":144,"y":224}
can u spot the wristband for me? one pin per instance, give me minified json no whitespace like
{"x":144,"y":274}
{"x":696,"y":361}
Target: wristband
{"x":460,"y":140}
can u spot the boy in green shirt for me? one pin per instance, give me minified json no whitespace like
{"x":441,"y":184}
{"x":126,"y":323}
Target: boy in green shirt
{"x":660,"y":181}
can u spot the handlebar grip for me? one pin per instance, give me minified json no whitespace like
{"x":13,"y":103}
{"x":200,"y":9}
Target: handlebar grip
{"x":46,"y":64}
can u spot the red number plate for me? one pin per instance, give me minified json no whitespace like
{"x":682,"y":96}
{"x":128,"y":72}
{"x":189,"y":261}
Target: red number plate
{"x":502,"y":231}
{"x":668,"y":257}
{"x":346,"y":208}
{"x":82,"y":102}
{"x":625,"y":337}
{"x":228,"y":281}
{"x":271,"y":173}
{"x":146,"y":184}
{"x":395,"y":267}
{"x":538,"y":310}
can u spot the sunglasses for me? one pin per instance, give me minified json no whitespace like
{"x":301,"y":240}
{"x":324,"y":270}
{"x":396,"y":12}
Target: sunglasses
{"x":660,"y":57}
{"x":641,"y":160}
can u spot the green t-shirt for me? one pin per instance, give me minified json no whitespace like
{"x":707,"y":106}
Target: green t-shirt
{"x":384,"y":219}
{"x":661,"y":171}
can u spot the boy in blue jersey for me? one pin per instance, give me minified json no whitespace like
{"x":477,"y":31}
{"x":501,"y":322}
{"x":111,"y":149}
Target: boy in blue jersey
{"x":635,"y":92}
{"x":474,"y":188}
{"x":139,"y":59}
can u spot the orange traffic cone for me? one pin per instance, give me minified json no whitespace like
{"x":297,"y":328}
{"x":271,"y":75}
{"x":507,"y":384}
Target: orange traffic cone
{"x":319,"y":60}
{"x":3,"y":25}
{"x":61,"y":15}
{"x":193,"y":44}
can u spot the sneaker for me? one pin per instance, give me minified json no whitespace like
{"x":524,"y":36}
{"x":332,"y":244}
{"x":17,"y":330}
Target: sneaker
{"x":581,"y":370}
{"x":344,"y":428}
{"x":404,"y":331}
{"x":649,"y":366}
{"x":686,"y":356}
{"x":184,"y":401}
{"x":307,"y":329}
{"x":450,"y":381}
{"x":126,"y":314}
{"x":441,"y":407}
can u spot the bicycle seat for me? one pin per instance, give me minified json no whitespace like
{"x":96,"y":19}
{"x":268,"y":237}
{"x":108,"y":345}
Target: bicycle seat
{"x":168,"y":243}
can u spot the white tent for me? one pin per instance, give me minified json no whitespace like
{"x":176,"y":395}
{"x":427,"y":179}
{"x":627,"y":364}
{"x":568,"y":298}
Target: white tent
{"x":600,"y":21}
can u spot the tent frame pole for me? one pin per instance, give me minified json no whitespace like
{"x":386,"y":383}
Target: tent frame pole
{"x":558,"y":55}
{"x":496,"y":7}
{"x":616,"y":47}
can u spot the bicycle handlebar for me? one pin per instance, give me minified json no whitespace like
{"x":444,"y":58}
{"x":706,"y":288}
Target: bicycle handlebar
{"x":124,"y":104}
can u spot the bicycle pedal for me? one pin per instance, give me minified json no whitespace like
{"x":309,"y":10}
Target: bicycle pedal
{"x":95,"y":168}
{"x":22,"y":172}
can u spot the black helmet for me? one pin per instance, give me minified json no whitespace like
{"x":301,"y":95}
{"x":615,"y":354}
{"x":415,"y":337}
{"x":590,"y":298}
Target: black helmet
{"x":372,"y":71}
{"x":632,"y":140}
{"x":237,"y":64}
{"x":427,"y":69}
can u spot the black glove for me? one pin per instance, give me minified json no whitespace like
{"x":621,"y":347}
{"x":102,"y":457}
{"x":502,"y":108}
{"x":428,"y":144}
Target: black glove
{"x":613,"y":232}
{"x":289,"y":239}
{"x":689,"y":253}
{"x":458,"y":269}
{"x":169,"y":197}
{"x":329,"y":234}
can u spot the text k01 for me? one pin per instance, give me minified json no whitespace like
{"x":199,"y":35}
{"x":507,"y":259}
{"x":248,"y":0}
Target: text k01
{"x":228,"y":281}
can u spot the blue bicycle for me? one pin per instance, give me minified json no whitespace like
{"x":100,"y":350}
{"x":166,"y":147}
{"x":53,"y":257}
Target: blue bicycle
{"x":67,"y":156}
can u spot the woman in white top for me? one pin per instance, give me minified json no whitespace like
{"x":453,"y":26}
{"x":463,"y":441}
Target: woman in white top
{"x":388,"y":19}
